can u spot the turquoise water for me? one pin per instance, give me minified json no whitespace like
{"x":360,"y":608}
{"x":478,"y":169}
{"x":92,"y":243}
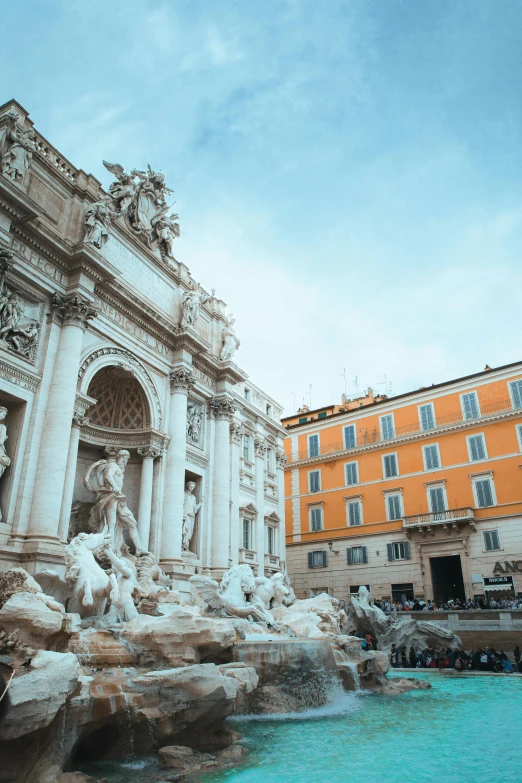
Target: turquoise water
{"x":463,"y":730}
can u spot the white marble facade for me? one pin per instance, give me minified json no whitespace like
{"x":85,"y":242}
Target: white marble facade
{"x":107,"y":343}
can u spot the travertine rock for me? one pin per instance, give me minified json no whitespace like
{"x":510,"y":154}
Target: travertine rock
{"x":182,"y":758}
{"x":16,"y":580}
{"x":37,"y":618}
{"x":313,"y":618}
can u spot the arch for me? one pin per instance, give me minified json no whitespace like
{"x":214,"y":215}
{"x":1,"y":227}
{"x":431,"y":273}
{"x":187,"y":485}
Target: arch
{"x":111,"y":356}
{"x":121,"y":400}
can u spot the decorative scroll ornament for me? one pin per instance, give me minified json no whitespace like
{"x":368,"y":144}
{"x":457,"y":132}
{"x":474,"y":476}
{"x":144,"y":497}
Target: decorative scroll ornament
{"x":181,"y":379}
{"x":281,"y":458}
{"x":222,"y":407}
{"x":79,"y":421}
{"x":16,"y":148}
{"x":236,"y":433}
{"x":73,"y":309}
{"x":149,"y":451}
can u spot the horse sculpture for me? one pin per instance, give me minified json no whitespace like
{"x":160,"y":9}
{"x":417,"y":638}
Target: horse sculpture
{"x":91,"y":586}
{"x":231,"y":596}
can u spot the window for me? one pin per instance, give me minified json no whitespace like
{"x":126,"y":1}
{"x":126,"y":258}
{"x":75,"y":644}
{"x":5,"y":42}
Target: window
{"x":470,"y":407}
{"x":354,"y":512}
{"x":271,"y":539}
{"x":476,"y":447}
{"x":354,"y":589}
{"x":400,"y":590}
{"x":316,"y":519}
{"x":268,"y":410}
{"x":484,"y":492}
{"x":313,"y":445}
{"x":387,"y":427}
{"x":247,"y":534}
{"x":390,"y":467}
{"x":314,"y":480}
{"x":357,"y":555}
{"x":431,"y":457}
{"x":270,"y":460}
{"x":400,"y":550}
{"x":350,"y":439}
{"x":393,"y":507}
{"x":519,"y":435}
{"x":427,"y":416}
{"x":352,"y":473}
{"x":516,"y":393}
{"x":321,"y":415}
{"x":317,"y":559}
{"x":436,"y":499}
{"x":246,"y":448}
{"x":247,"y":394}
{"x":491,"y":540}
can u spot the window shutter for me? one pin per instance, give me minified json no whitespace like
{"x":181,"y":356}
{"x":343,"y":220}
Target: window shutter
{"x":325,"y":560}
{"x":310,"y":559}
{"x":516,"y":391}
{"x":407,"y":554}
{"x":390,"y":551}
{"x":470,"y":406}
{"x":387,"y":427}
{"x":349,"y":557}
{"x":427,"y":418}
{"x":349,"y":437}
{"x":364,"y":554}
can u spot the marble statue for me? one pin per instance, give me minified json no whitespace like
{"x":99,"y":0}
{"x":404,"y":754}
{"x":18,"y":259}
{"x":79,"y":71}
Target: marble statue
{"x":270,"y":592}
{"x":193,"y":422}
{"x":151,"y":579}
{"x":91,"y":586}
{"x":191,"y":304}
{"x":5,"y":461}
{"x":122,"y":191}
{"x":230,"y":596}
{"x":16,"y":148}
{"x":230,"y":340}
{"x":110,"y":512}
{"x":10,"y":313}
{"x":122,"y":606}
{"x":165,"y":231}
{"x":191,"y":508}
{"x":290,"y":597}
{"x":24,"y":339}
{"x":98,"y":222}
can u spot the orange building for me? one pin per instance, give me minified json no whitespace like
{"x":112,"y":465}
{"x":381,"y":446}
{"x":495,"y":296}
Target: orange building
{"x":417,"y":494}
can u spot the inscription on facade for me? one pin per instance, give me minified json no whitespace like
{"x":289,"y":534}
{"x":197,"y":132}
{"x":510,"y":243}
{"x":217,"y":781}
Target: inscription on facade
{"x":508,"y":567}
{"x":133,"y":328}
{"x":45,"y":266}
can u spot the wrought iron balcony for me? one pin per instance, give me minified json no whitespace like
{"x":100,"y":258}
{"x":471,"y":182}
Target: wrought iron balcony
{"x":448,"y":517}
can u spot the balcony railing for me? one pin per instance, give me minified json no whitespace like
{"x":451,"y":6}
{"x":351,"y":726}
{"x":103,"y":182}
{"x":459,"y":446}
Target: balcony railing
{"x":367,"y":438}
{"x":439,"y":517}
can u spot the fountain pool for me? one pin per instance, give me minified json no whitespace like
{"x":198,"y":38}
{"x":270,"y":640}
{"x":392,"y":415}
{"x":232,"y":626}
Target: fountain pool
{"x":465,"y":730}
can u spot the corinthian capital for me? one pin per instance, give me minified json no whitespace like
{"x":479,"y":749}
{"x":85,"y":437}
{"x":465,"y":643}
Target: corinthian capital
{"x":222,"y":407}
{"x":79,"y":421}
{"x":281,"y":458}
{"x":73,"y":309}
{"x":181,"y":379}
{"x":260,"y":446}
{"x":149,"y":451}
{"x":236,"y":432}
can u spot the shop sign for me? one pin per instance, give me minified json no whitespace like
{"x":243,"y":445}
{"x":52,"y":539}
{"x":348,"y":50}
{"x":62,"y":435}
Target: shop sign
{"x":508,"y":567}
{"x":498,"y":580}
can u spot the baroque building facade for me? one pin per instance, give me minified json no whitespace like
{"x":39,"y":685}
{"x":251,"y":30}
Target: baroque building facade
{"x":112,"y":358}
{"x":418,"y":494}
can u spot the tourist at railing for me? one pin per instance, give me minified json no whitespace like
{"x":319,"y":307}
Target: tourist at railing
{"x":484,"y":659}
{"x":452,"y":605}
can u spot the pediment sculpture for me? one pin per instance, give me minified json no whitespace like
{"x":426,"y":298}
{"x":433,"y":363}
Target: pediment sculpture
{"x":230,"y":340}
{"x":18,"y":333}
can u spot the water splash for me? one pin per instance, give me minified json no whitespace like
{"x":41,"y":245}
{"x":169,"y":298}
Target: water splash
{"x":341,"y":702}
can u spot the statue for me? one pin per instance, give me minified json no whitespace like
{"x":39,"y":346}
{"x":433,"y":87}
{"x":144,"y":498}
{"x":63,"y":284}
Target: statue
{"x":24,"y":339}
{"x":10,"y":313}
{"x":110,"y":512}
{"x":122,"y":607}
{"x":190,"y":509}
{"x":122,"y":191}
{"x":191,"y":304}
{"x":98,"y":221}
{"x":4,"y":459}
{"x":230,"y":340}
{"x":290,"y":597}
{"x":165,"y":231}
{"x":270,"y":592}
{"x":16,"y":148}
{"x":148,"y":201}
{"x":193,"y":422}
{"x":91,"y":585}
{"x":230,"y":597}
{"x":152,"y":581}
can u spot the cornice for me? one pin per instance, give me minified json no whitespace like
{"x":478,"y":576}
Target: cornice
{"x":30,"y":240}
{"x":118,"y":296}
{"x":20,"y":377}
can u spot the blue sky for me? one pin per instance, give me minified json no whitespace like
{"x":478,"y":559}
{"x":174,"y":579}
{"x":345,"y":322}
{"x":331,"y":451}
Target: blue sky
{"x":348,"y":173}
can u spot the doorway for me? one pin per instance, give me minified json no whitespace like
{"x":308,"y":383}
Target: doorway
{"x":447,"y":579}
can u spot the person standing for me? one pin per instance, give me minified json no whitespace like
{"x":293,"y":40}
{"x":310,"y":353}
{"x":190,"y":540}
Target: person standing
{"x":394,"y":656}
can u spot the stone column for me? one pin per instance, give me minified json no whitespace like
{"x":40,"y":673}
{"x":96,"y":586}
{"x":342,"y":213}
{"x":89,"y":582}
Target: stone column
{"x":260,"y":450}
{"x":223,"y":409}
{"x":74,"y":312}
{"x":78,"y":422}
{"x":181,"y":380}
{"x":149,"y":454}
{"x":236,"y":438}
{"x":155,"y":522}
{"x":281,"y":460}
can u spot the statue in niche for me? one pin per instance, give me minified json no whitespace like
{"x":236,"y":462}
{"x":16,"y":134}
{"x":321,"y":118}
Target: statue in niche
{"x":98,"y":217}
{"x":165,"y":231}
{"x":122,"y":191}
{"x":230,"y":340}
{"x":110,"y":512}
{"x":16,"y":148}
{"x":194,"y":420}
{"x":4,"y":459}
{"x":191,"y":304}
{"x":191,"y":508}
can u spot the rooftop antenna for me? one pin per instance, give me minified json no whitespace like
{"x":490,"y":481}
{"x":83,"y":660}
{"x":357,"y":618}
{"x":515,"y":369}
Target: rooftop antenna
{"x":387,"y":385}
{"x":343,"y":375}
{"x":310,"y":395}
{"x":356,"y":384}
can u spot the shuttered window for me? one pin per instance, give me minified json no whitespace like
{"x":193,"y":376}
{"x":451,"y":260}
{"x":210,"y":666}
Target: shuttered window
{"x":477,"y":447}
{"x":484,"y":493}
{"x":387,"y":427}
{"x":431,"y":457}
{"x":470,"y":408}
{"x":491,"y":540}
{"x":357,"y":555}
{"x":350,"y":440}
{"x":315,"y":480}
{"x":394,"y":505}
{"x":400,"y":550}
{"x":316,"y":519}
{"x":354,"y":513}
{"x":437,"y":500}
{"x":427,"y":416}
{"x":390,"y":466}
{"x":247,"y":534}
{"x":352,"y":474}
{"x":271,"y":539}
{"x":313,"y":445}
{"x":317,"y":559}
{"x":516,"y":393}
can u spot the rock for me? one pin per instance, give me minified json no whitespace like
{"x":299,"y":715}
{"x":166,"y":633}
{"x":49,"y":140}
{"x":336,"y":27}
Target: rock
{"x":37,"y":618}
{"x":37,"y":696}
{"x":53,"y":774}
{"x":183,"y":758}
{"x":313,"y":618}
{"x":248,"y":680}
{"x":95,"y":647}
{"x":233,"y":753}
{"x":16,"y":580}
{"x":180,"y":638}
{"x":398,"y":685}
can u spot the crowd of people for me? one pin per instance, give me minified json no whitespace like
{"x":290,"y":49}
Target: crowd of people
{"x":485,"y":659}
{"x":416,"y":605}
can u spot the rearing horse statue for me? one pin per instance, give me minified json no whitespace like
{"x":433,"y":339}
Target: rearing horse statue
{"x":91,"y":586}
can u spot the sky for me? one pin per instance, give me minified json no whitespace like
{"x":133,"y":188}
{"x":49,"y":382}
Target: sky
{"x":348,"y":173}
